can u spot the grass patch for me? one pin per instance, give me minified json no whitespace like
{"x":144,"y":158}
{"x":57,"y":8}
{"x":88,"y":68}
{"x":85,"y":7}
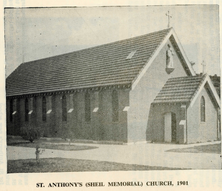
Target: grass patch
{"x":213,"y":148}
{"x":48,"y":145}
{"x":73,"y":165}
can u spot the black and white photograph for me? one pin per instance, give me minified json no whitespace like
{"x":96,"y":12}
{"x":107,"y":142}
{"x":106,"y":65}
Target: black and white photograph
{"x":112,"y":89}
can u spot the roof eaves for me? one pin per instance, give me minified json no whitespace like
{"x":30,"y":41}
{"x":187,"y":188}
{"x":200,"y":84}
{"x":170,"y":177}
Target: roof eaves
{"x":198,"y":89}
{"x":183,"y":52}
{"x":205,"y":79}
{"x":126,"y":85}
{"x":151,"y":59}
{"x":172,"y":102}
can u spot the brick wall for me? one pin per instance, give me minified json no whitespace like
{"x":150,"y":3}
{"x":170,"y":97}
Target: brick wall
{"x":100,"y":127}
{"x":155,"y":131}
{"x":202,"y":131}
{"x":146,"y":91}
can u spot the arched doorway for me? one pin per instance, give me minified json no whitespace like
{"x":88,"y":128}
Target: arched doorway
{"x":170,"y":127}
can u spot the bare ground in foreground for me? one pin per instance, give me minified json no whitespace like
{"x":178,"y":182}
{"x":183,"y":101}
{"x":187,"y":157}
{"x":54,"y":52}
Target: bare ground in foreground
{"x":73,"y":165}
{"x":213,"y":148}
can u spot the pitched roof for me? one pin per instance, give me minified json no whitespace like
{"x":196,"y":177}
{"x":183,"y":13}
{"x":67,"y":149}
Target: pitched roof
{"x":116,"y":63}
{"x":216,"y":82}
{"x":185,"y":89}
{"x":180,"y":89}
{"x":98,"y":66}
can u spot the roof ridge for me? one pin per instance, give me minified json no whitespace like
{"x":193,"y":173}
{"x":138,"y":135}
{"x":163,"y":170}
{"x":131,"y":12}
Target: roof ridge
{"x":98,"y":45}
{"x":80,"y":69}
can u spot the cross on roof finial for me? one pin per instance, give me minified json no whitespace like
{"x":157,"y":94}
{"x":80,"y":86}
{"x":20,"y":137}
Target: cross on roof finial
{"x":204,"y":67}
{"x":168,"y":16}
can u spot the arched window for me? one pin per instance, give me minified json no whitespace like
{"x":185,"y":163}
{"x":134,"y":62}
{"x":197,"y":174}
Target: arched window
{"x":115,"y":106}
{"x":44,"y":109}
{"x":26,"y":109}
{"x":87,"y":107}
{"x":18,"y":108}
{"x":34,"y":105}
{"x":202,"y":109}
{"x":64,"y":108}
{"x":11,"y":110}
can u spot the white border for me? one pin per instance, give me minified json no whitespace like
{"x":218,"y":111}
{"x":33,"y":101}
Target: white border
{"x":198,"y":180}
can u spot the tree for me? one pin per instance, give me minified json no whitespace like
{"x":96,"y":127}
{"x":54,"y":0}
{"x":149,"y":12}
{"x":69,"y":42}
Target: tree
{"x":31,"y":133}
{"x":67,"y":134}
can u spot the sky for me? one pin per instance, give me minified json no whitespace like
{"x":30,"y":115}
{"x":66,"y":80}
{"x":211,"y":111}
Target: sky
{"x":35,"y":33}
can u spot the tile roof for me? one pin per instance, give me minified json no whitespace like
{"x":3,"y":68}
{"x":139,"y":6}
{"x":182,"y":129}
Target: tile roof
{"x":180,"y":89}
{"x":216,"y":82}
{"x":93,"y":67}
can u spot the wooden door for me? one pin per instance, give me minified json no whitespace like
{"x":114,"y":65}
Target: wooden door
{"x":173,"y":128}
{"x":167,"y":127}
{"x":170,"y":130}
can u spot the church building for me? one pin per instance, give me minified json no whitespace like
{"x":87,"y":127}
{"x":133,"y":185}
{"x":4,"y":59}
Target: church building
{"x":135,"y":90}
